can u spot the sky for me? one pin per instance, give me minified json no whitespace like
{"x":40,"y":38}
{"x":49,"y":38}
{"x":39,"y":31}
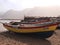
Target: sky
{"x":22,"y":4}
{"x":6,"y":5}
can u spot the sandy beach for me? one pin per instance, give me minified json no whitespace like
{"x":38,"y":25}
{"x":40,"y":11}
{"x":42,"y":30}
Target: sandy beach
{"x":7,"y":38}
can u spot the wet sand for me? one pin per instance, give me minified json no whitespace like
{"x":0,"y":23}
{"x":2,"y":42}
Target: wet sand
{"x":7,"y":38}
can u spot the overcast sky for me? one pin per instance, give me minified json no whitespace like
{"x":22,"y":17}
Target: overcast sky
{"x":23,"y":4}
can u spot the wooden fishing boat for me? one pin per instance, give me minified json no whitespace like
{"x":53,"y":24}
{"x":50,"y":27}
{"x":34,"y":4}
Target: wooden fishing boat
{"x":44,"y":29}
{"x":58,"y":20}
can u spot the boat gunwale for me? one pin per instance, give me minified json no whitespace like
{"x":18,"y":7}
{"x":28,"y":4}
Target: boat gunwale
{"x":32,"y":27}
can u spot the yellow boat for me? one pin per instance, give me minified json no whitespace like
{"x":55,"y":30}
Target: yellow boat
{"x":30,"y":29}
{"x":44,"y":29}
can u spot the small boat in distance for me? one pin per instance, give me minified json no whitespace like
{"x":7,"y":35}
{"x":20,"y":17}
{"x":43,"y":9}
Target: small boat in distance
{"x":43,"y":26}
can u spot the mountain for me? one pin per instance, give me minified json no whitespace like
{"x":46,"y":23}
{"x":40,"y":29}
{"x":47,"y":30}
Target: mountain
{"x":44,"y":11}
{"x":12,"y":14}
{"x":1,"y":13}
{"x":36,"y":11}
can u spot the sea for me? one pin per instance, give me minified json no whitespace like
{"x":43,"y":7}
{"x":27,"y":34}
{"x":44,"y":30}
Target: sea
{"x":7,"y":21}
{"x":2,"y":29}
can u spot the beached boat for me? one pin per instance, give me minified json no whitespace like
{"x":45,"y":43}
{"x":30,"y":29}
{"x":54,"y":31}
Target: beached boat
{"x":43,"y":28}
{"x":58,"y":20}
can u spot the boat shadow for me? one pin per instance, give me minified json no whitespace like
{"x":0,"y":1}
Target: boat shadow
{"x":27,"y":39}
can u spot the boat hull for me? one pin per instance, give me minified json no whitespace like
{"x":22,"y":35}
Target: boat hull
{"x":31,"y":30}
